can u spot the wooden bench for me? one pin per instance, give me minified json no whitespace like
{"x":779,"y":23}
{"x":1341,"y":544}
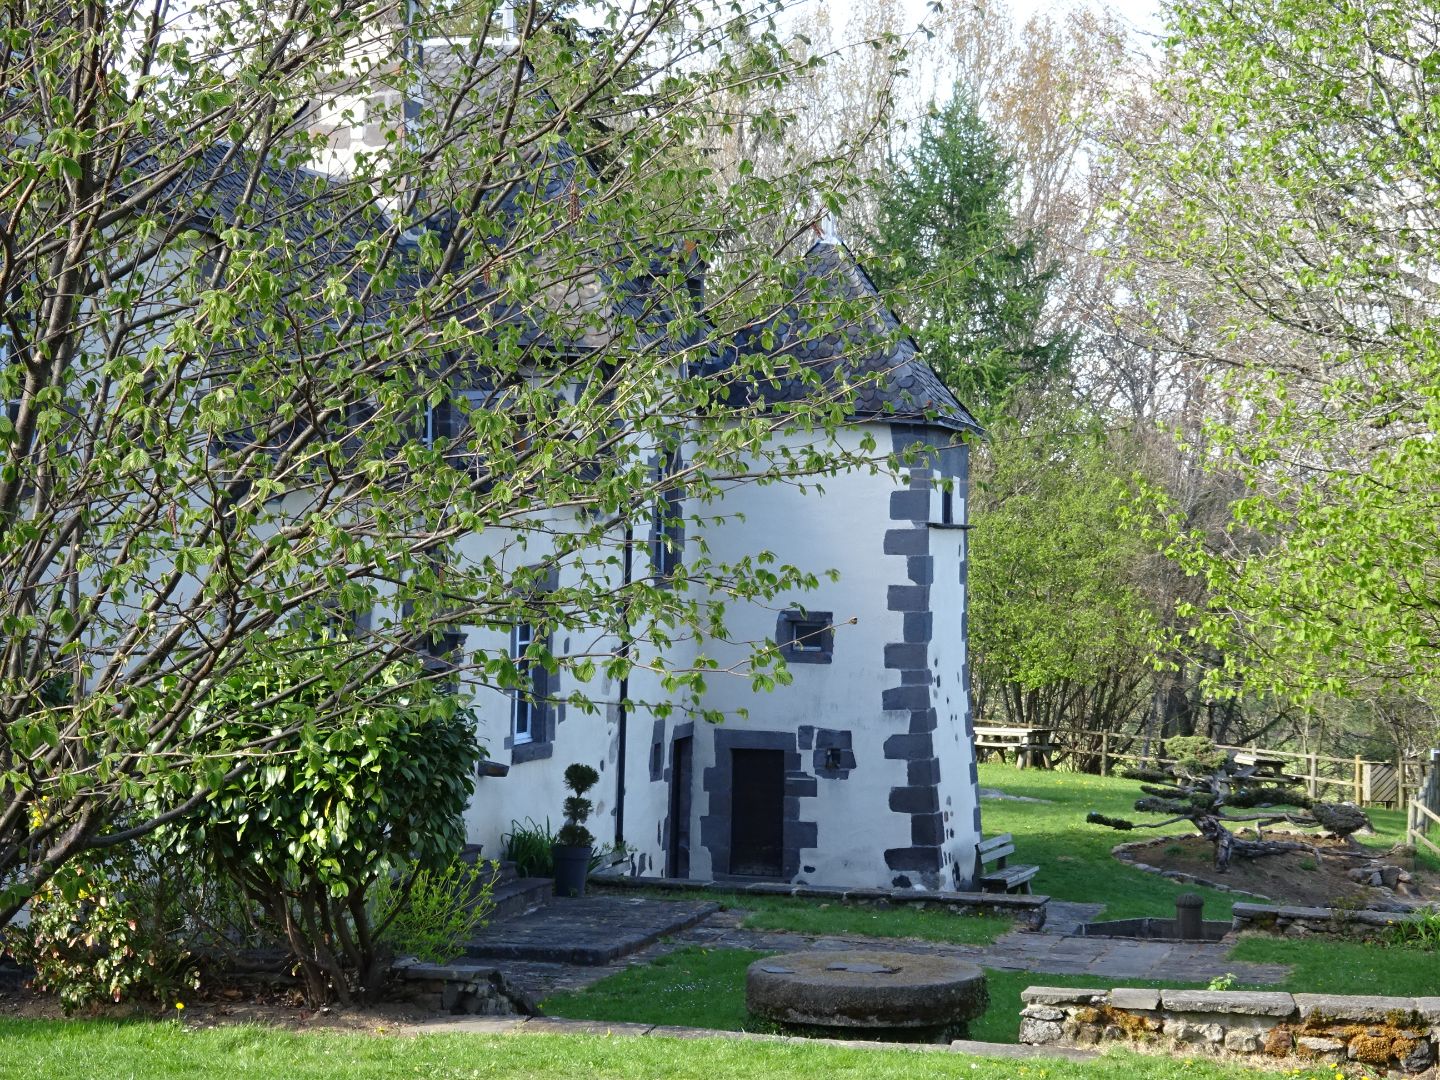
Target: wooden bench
{"x":1002,"y":878}
{"x":1032,"y":746}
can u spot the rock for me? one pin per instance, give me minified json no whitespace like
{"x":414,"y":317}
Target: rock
{"x":1184,"y":1031}
{"x":1360,"y":1010}
{"x":1390,"y":876}
{"x":1042,"y":1012}
{"x":1135,"y":1000}
{"x":1242,"y":1002}
{"x":1358,"y":874}
{"x":1061,"y":995}
{"x":1039,"y":1032}
{"x":1314,"y":1046}
{"x":1419,"y":1059}
{"x":1242,"y":1042}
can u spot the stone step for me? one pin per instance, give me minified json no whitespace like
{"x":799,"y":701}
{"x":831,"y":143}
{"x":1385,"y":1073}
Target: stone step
{"x":587,"y":930}
{"x":520,"y":896}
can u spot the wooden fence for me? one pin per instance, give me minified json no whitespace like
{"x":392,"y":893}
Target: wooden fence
{"x":1355,"y":779}
{"x":1424,"y":809}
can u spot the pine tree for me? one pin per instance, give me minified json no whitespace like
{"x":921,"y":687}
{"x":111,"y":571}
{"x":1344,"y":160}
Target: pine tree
{"x":969,"y":283}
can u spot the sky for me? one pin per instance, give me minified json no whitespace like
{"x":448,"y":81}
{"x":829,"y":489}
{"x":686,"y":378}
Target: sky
{"x":1143,"y":15}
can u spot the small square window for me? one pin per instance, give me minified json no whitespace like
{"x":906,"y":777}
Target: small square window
{"x":806,"y":637}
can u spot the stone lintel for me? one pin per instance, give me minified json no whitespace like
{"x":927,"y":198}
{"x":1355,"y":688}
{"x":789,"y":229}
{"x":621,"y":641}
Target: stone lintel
{"x":1135,"y":999}
{"x":1428,"y":1008}
{"x":1061,"y":995}
{"x":1355,"y":1008}
{"x":1242,"y":1002}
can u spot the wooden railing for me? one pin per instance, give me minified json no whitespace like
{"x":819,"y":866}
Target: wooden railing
{"x":1419,"y":819}
{"x":1354,"y":779}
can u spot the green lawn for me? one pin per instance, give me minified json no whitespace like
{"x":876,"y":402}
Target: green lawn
{"x":1074,"y":858}
{"x":78,"y":1050}
{"x":1345,"y":967}
{"x":705,"y":988}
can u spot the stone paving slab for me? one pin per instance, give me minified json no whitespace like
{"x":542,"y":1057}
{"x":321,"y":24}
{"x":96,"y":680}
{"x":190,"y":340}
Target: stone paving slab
{"x":587,"y":930}
{"x":1108,"y":958}
{"x":548,"y":1025}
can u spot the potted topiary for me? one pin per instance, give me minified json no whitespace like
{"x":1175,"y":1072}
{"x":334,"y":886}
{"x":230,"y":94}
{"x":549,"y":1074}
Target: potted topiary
{"x":574,"y":843}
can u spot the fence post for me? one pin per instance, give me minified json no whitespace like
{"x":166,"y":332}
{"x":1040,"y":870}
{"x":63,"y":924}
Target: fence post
{"x":1359,"y":792}
{"x":1312,"y":784}
{"x":1104,"y":753}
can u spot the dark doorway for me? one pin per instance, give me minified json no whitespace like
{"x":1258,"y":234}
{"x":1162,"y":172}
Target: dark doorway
{"x":680,"y":783}
{"x":756,"y":812}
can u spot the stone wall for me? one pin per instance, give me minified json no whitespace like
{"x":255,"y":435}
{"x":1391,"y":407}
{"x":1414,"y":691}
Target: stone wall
{"x":1303,"y":921}
{"x":1397,"y":1035}
{"x":462,"y":989}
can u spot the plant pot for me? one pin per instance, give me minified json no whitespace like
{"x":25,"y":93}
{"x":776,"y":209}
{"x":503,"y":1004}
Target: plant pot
{"x":572,"y":867}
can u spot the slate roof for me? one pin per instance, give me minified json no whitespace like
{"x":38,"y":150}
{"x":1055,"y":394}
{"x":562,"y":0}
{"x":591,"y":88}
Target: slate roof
{"x":868,"y":354}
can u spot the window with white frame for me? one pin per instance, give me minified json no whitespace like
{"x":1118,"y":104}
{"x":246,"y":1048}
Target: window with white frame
{"x":524,"y":704}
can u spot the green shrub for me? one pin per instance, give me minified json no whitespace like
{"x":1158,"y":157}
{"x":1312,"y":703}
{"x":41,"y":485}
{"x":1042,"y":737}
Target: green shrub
{"x":528,"y":846}
{"x":439,"y":913}
{"x":112,"y":924}
{"x":579,"y":778}
{"x":360,"y":782}
{"x":1420,"y":932}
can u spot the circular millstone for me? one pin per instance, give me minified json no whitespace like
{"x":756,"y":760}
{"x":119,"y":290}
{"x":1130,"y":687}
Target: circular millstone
{"x":865,"y":990}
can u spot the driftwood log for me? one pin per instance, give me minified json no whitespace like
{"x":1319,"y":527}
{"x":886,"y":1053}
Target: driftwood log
{"x":1207,"y":788}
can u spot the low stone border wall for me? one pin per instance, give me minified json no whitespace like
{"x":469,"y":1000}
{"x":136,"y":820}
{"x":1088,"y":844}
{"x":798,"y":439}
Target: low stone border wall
{"x":1393,"y":1034}
{"x":461,"y":989}
{"x":1302,"y":921}
{"x":1027,"y":911}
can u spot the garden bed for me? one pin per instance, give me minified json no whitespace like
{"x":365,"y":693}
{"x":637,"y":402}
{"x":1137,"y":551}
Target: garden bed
{"x":1309,"y":879}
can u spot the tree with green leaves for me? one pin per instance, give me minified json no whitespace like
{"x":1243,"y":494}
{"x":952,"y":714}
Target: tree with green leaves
{"x":1061,"y":623}
{"x":316,"y":320}
{"x":969,"y":283}
{"x":1290,"y":192}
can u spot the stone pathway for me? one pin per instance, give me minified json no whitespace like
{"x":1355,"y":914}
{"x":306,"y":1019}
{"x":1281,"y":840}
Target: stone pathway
{"x":587,"y":930}
{"x":1144,"y":962}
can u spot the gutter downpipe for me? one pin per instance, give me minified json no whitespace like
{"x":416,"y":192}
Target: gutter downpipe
{"x":623,"y":709}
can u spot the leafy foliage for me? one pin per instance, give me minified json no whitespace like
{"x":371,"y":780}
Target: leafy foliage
{"x":334,"y":810}
{"x":1061,"y":626}
{"x":306,"y":358}
{"x":968,"y":278}
{"x":1289,"y":198}
{"x":432,"y":913}
{"x":528,"y":845}
{"x":114,"y":924}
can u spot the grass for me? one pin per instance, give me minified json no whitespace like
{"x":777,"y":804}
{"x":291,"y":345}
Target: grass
{"x":1345,"y":967}
{"x":82,"y":1050}
{"x":1074,"y":857}
{"x":705,"y":988}
{"x":825,"y":919}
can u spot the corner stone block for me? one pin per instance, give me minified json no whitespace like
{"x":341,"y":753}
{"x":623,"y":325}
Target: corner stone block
{"x":1061,"y":995}
{"x":1039,"y":1032}
{"x":1312,"y":1046}
{"x":1354,"y":1009}
{"x":1428,"y":1008}
{"x":1245,"y":1003}
{"x":1135,"y":1000}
